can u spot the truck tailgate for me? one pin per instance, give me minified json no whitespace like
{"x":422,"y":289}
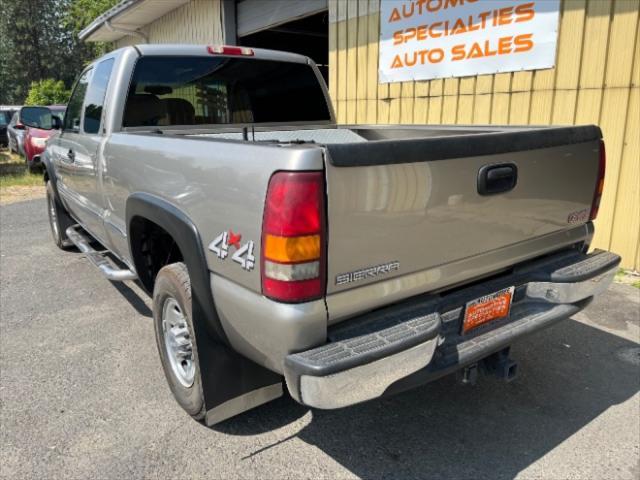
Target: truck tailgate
{"x":401,"y":207}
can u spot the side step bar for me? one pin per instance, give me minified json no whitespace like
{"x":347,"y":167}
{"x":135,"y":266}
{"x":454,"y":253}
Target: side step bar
{"x":98,"y":259}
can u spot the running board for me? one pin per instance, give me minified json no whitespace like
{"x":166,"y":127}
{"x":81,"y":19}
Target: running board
{"x":98,"y":259}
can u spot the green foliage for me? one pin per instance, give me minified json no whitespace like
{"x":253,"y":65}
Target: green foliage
{"x":47,"y":92}
{"x":39,"y":40}
{"x":13,"y":173}
{"x":78,"y":15}
{"x":81,"y":13}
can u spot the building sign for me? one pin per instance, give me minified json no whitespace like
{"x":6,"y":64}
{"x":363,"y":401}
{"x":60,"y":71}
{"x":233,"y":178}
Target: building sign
{"x":425,"y":39}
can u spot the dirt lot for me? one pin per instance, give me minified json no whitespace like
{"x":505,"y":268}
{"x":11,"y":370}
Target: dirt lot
{"x":83,"y":395}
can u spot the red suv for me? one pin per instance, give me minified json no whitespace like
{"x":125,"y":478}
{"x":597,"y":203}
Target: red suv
{"x":35,"y":139}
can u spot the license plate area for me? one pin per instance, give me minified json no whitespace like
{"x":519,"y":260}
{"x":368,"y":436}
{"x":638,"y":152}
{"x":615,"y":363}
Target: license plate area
{"x":488,"y":308}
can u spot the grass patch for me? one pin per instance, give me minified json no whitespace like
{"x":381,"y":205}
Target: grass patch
{"x":24,"y":179}
{"x":14,"y":172}
{"x":10,"y":158}
{"x":627,"y":277}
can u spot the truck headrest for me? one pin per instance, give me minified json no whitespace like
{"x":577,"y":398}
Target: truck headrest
{"x":142,"y":110}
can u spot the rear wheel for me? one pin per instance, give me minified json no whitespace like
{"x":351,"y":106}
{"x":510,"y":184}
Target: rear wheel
{"x":59,"y":219}
{"x":175,"y":337}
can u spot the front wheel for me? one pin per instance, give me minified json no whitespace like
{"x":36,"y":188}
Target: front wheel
{"x":34,"y":167}
{"x":59,"y":220}
{"x":175,"y":337}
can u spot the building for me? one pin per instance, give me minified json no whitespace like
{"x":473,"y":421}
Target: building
{"x":595,"y":77}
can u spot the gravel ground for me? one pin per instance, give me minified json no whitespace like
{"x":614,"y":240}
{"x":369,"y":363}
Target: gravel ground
{"x":83,"y":395}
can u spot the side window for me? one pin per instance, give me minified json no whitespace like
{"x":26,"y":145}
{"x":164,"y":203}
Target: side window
{"x":95,"y":96}
{"x":74,"y":107}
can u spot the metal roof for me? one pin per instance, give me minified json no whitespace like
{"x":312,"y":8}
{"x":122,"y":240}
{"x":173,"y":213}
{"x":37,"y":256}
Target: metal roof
{"x":126,"y":18}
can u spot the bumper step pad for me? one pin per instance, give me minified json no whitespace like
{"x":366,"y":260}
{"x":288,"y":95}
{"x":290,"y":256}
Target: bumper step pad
{"x":366,"y":347}
{"x":402,"y":346}
{"x":352,"y":363}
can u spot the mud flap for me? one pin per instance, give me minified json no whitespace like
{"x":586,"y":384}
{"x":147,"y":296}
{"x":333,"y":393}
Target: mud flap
{"x":231,"y":384}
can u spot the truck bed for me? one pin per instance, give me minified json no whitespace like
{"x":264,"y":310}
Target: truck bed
{"x":405,"y":201}
{"x":492,"y":139}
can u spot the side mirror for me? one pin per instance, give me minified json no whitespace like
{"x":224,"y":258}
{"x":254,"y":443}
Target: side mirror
{"x":36,"y":117}
{"x":56,"y":124}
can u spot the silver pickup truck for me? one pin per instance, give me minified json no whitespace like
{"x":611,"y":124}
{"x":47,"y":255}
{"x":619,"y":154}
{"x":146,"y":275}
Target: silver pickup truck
{"x":348,"y":262}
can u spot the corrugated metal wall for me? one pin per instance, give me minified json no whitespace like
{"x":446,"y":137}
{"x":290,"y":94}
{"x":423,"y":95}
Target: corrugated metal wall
{"x":596,"y":80}
{"x":197,"y":22}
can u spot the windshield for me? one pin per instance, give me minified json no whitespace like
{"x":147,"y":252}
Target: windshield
{"x":222,"y":90}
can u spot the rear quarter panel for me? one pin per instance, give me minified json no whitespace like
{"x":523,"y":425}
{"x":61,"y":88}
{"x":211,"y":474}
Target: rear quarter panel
{"x":220,"y":185}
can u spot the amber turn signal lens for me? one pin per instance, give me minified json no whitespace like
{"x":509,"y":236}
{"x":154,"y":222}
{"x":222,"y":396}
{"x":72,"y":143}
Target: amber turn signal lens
{"x":292,"y":249}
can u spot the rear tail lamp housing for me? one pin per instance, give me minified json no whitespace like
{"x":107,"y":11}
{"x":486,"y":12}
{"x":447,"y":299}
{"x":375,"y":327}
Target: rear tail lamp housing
{"x":293,"y":254}
{"x":597,"y":194}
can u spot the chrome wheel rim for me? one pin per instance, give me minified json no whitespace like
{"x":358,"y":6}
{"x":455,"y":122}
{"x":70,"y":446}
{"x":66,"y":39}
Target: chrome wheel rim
{"x":177,"y":341}
{"x":53,"y":217}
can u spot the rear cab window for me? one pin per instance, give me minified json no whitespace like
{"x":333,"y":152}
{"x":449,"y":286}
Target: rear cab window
{"x":167,"y":91}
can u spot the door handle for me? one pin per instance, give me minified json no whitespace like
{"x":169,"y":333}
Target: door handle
{"x":71,"y":156}
{"x":497,"y":178}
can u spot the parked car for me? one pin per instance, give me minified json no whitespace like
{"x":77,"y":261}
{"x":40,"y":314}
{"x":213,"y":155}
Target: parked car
{"x":15,"y":134}
{"x":6,"y":113}
{"x":347,"y":262}
{"x":35,"y":139}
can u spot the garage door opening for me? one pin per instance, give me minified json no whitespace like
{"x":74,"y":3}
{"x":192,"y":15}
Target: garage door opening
{"x":307,"y":36}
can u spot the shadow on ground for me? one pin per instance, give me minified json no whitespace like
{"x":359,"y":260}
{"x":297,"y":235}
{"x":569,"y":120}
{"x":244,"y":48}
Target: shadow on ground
{"x":571,"y":374}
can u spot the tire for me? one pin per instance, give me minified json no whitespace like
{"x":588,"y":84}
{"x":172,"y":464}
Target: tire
{"x":59,"y":219}
{"x":173,"y":288}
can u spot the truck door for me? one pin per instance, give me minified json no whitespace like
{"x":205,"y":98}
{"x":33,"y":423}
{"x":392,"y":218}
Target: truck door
{"x":79,"y":146}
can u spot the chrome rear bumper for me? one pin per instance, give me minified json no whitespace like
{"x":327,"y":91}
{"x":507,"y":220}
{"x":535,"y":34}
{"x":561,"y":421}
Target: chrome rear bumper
{"x":418,"y":341}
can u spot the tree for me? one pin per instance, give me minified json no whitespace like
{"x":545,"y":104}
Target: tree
{"x":78,"y":15}
{"x":39,"y":40}
{"x":47,"y":92}
{"x":21,"y":37}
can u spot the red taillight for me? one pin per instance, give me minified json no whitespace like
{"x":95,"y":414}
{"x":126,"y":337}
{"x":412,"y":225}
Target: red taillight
{"x":293,"y":237}
{"x":597,"y":194}
{"x":229,"y":50}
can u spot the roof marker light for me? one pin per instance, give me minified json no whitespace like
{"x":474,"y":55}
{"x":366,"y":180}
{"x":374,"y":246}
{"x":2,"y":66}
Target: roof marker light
{"x":229,"y":50}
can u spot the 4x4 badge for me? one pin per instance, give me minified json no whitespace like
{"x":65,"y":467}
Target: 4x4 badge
{"x":244,"y":254}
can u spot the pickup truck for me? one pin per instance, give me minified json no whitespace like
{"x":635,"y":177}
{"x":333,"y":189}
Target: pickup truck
{"x":347,"y":262}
